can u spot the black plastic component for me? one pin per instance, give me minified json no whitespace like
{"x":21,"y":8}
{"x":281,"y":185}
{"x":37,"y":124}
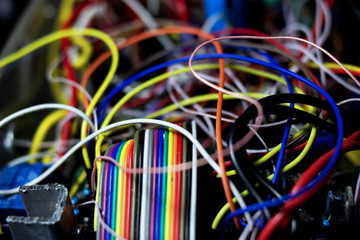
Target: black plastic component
{"x":50,"y":213}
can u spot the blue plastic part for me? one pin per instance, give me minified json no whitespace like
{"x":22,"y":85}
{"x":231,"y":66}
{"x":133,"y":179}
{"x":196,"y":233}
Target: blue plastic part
{"x":86,"y":192}
{"x":74,"y":201}
{"x":11,"y":177}
{"x":326,"y":223}
{"x":76,"y":211}
{"x":216,"y":7}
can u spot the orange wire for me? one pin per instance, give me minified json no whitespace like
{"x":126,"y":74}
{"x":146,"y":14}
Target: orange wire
{"x":171,"y":30}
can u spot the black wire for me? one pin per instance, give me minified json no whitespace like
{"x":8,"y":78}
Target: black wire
{"x":244,"y":168}
{"x":139,"y":186}
{"x":246,"y":181}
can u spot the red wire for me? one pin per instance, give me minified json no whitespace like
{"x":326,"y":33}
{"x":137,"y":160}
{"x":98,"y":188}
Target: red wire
{"x":214,"y":173}
{"x":341,"y":71}
{"x":174,"y":184}
{"x":129,"y":194}
{"x":140,"y":101}
{"x":248,"y":31}
{"x":178,"y":189}
{"x":182,"y":10}
{"x":69,"y":72}
{"x":65,"y":133}
{"x":281,"y":219}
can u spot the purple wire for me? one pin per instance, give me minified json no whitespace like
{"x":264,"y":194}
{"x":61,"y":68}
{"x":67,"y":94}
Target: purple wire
{"x":104,"y":196}
{"x":105,"y":192}
{"x":111,"y":190}
{"x":154,"y":176}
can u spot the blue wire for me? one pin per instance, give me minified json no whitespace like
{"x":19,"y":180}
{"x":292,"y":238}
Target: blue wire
{"x":273,"y":202}
{"x":110,"y":193}
{"x":215,"y":7}
{"x":288,"y":124}
{"x":159,"y":185}
{"x":101,"y":110}
{"x":327,"y":168}
{"x":287,"y":127}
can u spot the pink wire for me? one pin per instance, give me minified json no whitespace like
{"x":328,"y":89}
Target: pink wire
{"x":258,"y":106}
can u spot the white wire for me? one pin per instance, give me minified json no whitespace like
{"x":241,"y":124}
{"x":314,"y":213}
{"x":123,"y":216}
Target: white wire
{"x":145,"y":186}
{"x":348,"y":100}
{"x":89,"y":13}
{"x":236,"y":80}
{"x":211,"y":21}
{"x":254,"y":232}
{"x":242,"y":204}
{"x":265,"y":125}
{"x":26,"y":143}
{"x":223,"y":112}
{"x":108,"y":228}
{"x":235,"y":116}
{"x":216,"y":80}
{"x":327,"y":23}
{"x":250,"y":151}
{"x":51,"y":78}
{"x":320,"y":38}
{"x":260,"y":139}
{"x":295,"y":27}
{"x":199,"y":111}
{"x":71,"y":151}
{"x":317,"y":20}
{"x":148,"y":20}
{"x":60,"y":144}
{"x":250,"y":226}
{"x":173,"y":83}
{"x":45,"y":106}
{"x":356,"y":197}
{"x":206,"y":130}
{"x":348,"y":86}
{"x":193,"y":187}
{"x":153,"y":6}
{"x":28,"y":157}
{"x":82,"y":21}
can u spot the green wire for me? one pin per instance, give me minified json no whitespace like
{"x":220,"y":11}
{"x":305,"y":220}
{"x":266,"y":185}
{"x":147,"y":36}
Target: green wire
{"x":115,"y":193}
{"x":183,"y":188}
{"x":134,"y":186}
{"x":165,"y":76}
{"x":164,"y":185}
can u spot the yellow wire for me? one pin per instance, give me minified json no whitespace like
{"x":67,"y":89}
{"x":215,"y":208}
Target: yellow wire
{"x":65,"y":10}
{"x":203,"y":98}
{"x":78,"y":183}
{"x":196,"y":99}
{"x":164,"y":76}
{"x":43,"y":129}
{"x":208,"y":97}
{"x":289,"y":166}
{"x":354,"y":157}
{"x":85,"y":52}
{"x":73,"y":33}
{"x":121,"y":188}
{"x":48,"y":157}
{"x":335,"y":66}
{"x":100,"y":91}
{"x":213,"y":96}
{"x":169,"y":186}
